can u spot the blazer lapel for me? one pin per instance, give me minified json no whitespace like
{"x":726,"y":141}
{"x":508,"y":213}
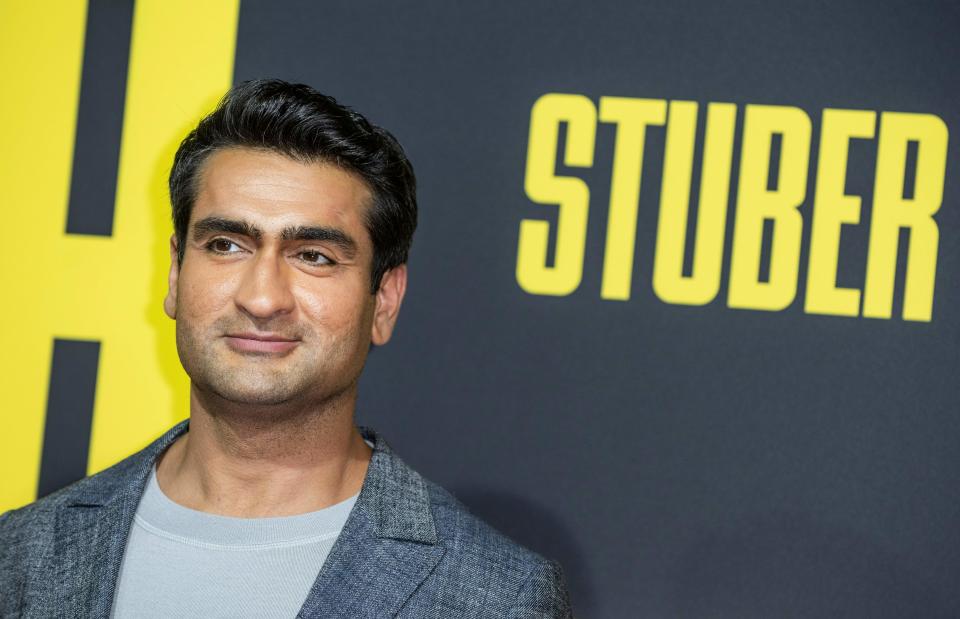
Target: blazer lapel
{"x":81,"y":568}
{"x":87,"y":554}
{"x":388,"y":545}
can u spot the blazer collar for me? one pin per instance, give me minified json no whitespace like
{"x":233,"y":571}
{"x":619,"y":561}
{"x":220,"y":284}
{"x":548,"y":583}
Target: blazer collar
{"x":92,"y":525}
{"x":387,"y":547}
{"x":395,"y":496}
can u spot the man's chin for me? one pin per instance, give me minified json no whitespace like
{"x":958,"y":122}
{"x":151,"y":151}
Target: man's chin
{"x":253,"y":394}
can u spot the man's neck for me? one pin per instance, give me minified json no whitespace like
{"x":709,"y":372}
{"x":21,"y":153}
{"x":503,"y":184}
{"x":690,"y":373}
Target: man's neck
{"x":246,"y":463}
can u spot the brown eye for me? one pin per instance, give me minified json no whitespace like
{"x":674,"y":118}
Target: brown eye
{"x":315,"y":258}
{"x":222,"y":246}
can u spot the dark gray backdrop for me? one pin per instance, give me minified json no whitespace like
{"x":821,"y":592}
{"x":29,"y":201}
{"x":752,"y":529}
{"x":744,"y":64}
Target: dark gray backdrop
{"x":678,"y":461}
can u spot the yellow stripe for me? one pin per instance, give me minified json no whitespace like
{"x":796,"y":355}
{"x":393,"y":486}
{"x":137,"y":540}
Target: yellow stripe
{"x":181,"y":62}
{"x":40,"y":56}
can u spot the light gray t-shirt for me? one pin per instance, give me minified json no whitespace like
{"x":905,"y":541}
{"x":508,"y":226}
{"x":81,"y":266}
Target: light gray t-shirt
{"x":181,"y":562}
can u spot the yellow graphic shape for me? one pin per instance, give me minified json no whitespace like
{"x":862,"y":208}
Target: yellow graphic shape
{"x":756,"y":203}
{"x":892,"y":212}
{"x":89,"y":287}
{"x":632,"y":117}
{"x":832,"y":208}
{"x":544,"y":186}
{"x":703,"y":283}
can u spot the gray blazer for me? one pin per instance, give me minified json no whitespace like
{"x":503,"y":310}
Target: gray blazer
{"x":408,"y":549}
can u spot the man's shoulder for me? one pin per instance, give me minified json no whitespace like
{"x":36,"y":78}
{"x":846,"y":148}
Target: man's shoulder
{"x":437,"y":516}
{"x":461,"y":531}
{"x":27,"y":524}
{"x":27,"y":534}
{"x":489,"y":572}
{"x":17,"y":522}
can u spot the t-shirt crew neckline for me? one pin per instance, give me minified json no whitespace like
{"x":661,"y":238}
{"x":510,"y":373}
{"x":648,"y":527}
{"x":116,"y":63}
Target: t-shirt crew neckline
{"x":161,"y":515}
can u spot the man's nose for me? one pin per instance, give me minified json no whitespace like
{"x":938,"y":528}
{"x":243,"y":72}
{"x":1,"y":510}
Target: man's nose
{"x":265,"y":289}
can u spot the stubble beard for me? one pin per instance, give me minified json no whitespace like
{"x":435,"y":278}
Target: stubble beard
{"x":250,"y":379}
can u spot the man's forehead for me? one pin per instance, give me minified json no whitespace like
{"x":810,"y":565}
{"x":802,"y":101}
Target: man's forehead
{"x":275,"y":192}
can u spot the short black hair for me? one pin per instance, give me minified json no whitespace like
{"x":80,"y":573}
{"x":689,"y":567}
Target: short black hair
{"x":301,"y":123}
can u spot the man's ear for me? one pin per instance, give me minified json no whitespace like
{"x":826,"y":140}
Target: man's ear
{"x":389,"y":297}
{"x":170,"y":301}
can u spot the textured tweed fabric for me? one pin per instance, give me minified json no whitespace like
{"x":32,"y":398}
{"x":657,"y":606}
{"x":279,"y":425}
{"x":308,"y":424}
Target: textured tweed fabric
{"x":408,"y":549}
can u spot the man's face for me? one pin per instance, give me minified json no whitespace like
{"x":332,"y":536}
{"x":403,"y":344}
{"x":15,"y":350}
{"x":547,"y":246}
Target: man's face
{"x":272,"y":300}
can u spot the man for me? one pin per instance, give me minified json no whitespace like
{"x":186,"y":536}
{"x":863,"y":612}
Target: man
{"x":293,"y":217}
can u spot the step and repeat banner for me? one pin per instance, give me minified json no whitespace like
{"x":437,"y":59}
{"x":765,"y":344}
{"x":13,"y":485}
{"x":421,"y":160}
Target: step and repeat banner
{"x":683,"y":311}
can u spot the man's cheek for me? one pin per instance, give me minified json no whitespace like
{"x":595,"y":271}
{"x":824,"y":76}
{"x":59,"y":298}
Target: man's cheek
{"x":201,"y":300}
{"x":316,"y":307}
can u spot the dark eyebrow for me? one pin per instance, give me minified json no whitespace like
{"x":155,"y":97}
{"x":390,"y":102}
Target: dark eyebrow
{"x":326,"y":235}
{"x":212,"y":225}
